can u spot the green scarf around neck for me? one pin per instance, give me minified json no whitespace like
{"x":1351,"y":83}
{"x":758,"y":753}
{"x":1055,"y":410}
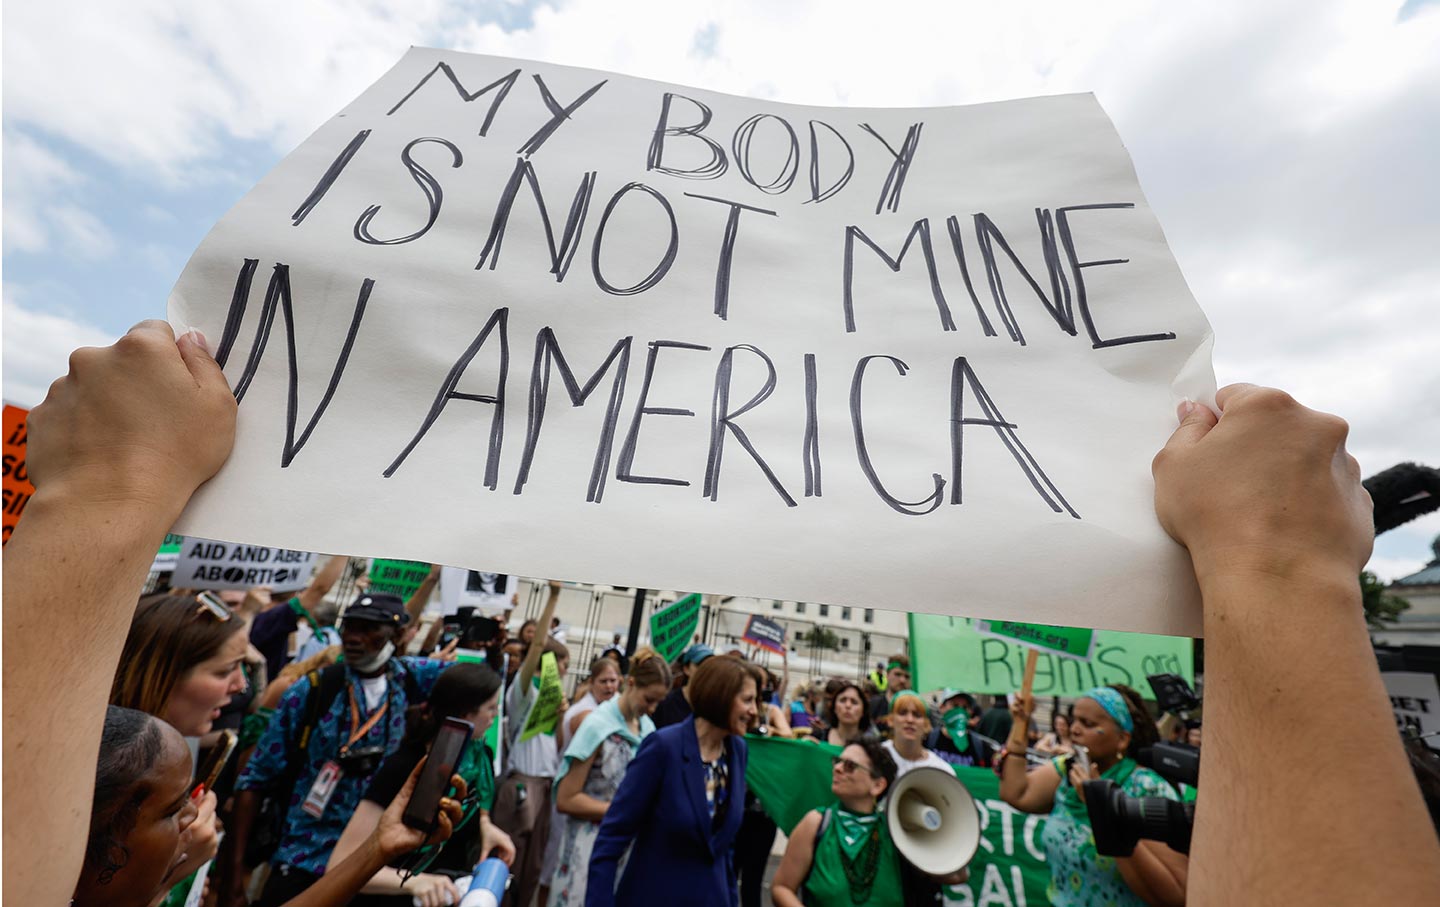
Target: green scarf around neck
{"x":1070,"y":801}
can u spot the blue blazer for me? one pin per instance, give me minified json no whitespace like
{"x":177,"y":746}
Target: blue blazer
{"x":680,"y":857}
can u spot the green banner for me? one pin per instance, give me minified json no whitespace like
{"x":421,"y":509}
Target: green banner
{"x":672,"y":627}
{"x":792,"y":777}
{"x":400,"y":578}
{"x":1072,"y":642}
{"x":546,"y":713}
{"x":949,"y":652}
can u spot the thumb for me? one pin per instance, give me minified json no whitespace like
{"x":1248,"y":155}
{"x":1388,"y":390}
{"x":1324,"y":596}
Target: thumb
{"x":194,"y":349}
{"x":1196,"y":420}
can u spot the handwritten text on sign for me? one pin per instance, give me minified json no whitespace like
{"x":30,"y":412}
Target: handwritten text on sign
{"x":613,"y":330}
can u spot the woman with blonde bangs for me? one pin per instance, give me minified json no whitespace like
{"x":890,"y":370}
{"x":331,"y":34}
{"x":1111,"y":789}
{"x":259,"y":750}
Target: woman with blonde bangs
{"x":909,"y":727}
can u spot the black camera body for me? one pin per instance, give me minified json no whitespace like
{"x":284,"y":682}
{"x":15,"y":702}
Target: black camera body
{"x":1119,"y":822}
{"x":362,"y":761}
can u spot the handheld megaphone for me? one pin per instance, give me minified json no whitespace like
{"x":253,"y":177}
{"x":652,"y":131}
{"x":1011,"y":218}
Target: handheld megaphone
{"x":933,"y":821}
{"x":487,"y":885}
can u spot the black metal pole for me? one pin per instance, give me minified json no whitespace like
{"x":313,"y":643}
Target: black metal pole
{"x":637,"y":614}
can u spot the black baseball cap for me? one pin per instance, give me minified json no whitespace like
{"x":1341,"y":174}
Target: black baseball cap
{"x":380,"y":608}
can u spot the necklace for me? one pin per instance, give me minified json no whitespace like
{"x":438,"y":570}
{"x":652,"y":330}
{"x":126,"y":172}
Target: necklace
{"x":861,"y":870}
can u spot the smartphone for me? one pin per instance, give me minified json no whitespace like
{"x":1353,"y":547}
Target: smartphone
{"x":434,"y":779}
{"x":479,"y":631}
{"x":214,"y":763}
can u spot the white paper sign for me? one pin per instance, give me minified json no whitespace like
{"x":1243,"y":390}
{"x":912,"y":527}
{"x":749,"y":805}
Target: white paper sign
{"x":473,"y":588}
{"x":917,"y":357}
{"x":207,"y":564}
{"x":1415,"y":698}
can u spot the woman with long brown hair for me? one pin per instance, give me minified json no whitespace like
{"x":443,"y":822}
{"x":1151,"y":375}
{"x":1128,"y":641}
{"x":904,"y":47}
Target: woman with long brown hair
{"x":182,"y":661}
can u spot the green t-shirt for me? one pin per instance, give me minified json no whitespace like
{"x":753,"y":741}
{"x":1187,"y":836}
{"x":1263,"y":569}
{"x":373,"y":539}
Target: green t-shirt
{"x":855,"y":864}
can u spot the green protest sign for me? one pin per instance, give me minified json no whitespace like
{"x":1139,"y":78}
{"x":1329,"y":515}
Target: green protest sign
{"x":1073,"y":642}
{"x":169,"y":553}
{"x":546,"y":713}
{"x":949,"y":652}
{"x":792,"y":777}
{"x":671,"y":628}
{"x":400,"y":578}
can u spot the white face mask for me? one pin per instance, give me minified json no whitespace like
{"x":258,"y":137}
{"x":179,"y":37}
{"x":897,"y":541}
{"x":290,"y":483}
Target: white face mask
{"x":375,"y":662}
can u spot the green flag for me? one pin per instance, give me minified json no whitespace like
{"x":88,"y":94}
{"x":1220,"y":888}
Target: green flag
{"x":792,"y":777}
{"x":949,"y":652}
{"x":671,"y":628}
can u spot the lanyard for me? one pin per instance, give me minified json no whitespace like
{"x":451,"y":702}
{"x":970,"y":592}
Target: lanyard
{"x":369,"y":722}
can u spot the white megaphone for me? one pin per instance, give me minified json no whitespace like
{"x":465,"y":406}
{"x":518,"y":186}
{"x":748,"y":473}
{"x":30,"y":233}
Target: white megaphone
{"x":933,"y":821}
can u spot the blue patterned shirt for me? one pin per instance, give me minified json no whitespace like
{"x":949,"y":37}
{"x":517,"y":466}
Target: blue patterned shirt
{"x":308,"y":841}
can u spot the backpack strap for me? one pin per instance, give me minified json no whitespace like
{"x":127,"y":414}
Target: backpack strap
{"x":802,"y":890}
{"x":325,"y":687}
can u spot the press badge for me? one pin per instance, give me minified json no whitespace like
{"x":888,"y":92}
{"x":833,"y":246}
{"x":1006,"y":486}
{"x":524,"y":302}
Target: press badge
{"x":322,"y":790}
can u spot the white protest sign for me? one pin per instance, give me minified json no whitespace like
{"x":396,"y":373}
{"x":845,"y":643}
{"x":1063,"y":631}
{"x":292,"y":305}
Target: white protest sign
{"x":1415,"y":698}
{"x":918,"y":357}
{"x":473,"y":588}
{"x":207,"y":564}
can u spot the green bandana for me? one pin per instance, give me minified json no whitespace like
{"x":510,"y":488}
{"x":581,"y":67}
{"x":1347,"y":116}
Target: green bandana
{"x":1119,"y":773}
{"x":854,"y":830}
{"x":957,"y":722}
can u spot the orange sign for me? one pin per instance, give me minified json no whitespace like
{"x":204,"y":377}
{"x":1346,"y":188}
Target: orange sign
{"x":17,"y":482}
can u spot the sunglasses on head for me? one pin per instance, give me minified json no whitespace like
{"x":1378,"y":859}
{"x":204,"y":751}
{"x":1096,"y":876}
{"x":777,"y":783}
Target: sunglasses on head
{"x":850,"y":766}
{"x":210,"y":603}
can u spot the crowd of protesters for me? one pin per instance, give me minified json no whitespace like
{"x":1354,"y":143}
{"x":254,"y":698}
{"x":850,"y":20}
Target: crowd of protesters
{"x":642,"y":791}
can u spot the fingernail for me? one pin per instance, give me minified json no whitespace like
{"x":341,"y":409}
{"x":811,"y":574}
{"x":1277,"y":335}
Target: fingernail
{"x":1186,"y":407}
{"x":196,"y":336}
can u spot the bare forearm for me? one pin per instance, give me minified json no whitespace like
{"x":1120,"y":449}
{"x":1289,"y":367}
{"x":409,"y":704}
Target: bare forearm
{"x":542,"y":633}
{"x":583,"y":806}
{"x":81,"y":565}
{"x":340,"y":884}
{"x":1013,"y":780}
{"x":1155,"y":873}
{"x":783,"y":896}
{"x":1280,"y":650}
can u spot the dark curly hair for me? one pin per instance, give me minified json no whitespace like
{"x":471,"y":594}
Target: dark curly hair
{"x":1145,"y":732}
{"x":880,"y":759}
{"x":129,"y":746}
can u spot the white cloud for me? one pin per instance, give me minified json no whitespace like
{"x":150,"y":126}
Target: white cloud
{"x":81,"y":232}
{"x":34,"y":177}
{"x":38,"y":347}
{"x":163,"y":85}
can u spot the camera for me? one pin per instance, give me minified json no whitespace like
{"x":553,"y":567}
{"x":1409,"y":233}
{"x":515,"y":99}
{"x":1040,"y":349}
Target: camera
{"x":1120,"y":821}
{"x":362,"y":761}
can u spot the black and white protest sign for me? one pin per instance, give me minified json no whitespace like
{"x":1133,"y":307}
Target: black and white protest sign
{"x":206,"y":564}
{"x":612,"y":330}
{"x":1415,"y":698}
{"x":477,"y":589}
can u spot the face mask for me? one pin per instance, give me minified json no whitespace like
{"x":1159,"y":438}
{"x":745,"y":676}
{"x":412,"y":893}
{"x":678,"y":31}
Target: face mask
{"x":375,"y":662}
{"x":956,"y":723}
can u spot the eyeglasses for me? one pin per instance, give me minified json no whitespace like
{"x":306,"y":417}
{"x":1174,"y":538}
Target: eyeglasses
{"x":209,"y":602}
{"x":850,"y":766}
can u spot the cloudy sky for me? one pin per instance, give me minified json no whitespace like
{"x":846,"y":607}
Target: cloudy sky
{"x":1288,"y":148}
